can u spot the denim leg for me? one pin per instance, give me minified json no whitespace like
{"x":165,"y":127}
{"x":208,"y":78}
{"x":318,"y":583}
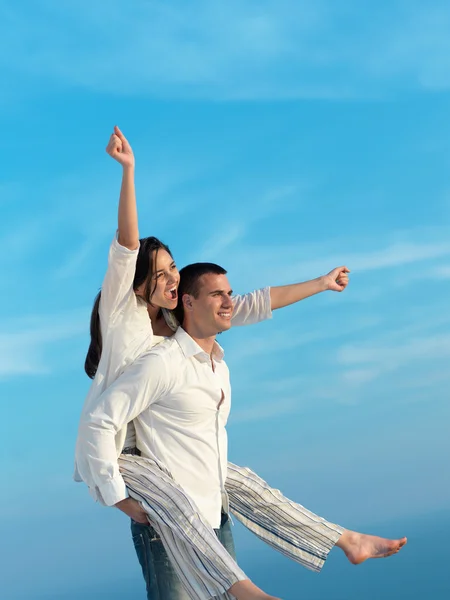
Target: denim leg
{"x":161,"y":580}
{"x":225,"y":535}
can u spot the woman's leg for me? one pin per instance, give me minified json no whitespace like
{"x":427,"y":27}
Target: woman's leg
{"x":292,"y":529}
{"x":283,"y":524}
{"x":204,"y":567}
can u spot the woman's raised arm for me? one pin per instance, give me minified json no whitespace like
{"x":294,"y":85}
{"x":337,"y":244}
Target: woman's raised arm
{"x":117,"y":287}
{"x":120,"y":149}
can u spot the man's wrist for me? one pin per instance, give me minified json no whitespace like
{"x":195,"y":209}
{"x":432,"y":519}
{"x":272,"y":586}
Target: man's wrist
{"x":323,"y":283}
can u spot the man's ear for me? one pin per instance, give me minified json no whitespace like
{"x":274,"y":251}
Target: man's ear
{"x":187,"y":302}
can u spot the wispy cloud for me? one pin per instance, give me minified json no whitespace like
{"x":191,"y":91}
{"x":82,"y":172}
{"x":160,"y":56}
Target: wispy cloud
{"x":298,"y":334}
{"x":223,"y":238}
{"x":399,"y":254}
{"x":72,"y":266}
{"x":391,"y":357}
{"x":233,"y":50}
{"x":279,"y":263}
{"x":266,"y":410}
{"x":442,"y":272}
{"x":253,"y":208}
{"x":398,"y":356}
{"x":25,"y":343}
{"x":404,"y":359}
{"x":74,"y":216}
{"x":418,"y":51}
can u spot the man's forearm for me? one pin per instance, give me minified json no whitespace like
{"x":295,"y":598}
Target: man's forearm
{"x":284,"y":295}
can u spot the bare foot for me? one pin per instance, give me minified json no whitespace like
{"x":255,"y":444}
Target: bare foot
{"x":247,"y":590}
{"x":358,"y":547}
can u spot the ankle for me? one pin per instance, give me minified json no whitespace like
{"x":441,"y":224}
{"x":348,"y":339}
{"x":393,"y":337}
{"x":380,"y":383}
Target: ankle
{"x":346,"y":540}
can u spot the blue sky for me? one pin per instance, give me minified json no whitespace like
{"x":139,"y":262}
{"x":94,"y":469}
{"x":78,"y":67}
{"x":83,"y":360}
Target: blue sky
{"x":280,"y":139}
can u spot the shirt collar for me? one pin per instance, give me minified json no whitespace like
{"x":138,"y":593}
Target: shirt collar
{"x":190,"y":347}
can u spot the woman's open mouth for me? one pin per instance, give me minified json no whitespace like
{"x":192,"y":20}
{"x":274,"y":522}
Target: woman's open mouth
{"x":172,"y":293}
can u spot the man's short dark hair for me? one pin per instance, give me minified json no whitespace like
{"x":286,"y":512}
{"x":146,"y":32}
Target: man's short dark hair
{"x":190,"y":282}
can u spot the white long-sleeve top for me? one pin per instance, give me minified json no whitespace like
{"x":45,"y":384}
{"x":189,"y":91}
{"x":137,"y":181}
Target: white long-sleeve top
{"x":126,"y":334}
{"x":179,"y":405}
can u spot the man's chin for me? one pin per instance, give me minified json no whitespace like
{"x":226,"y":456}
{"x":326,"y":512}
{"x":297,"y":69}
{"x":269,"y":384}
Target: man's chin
{"x":224,"y":325}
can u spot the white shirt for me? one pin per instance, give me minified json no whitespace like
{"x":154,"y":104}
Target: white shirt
{"x":180,"y":406}
{"x":127,"y":333}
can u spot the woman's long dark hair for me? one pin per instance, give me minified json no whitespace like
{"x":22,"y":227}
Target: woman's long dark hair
{"x":145,"y":263}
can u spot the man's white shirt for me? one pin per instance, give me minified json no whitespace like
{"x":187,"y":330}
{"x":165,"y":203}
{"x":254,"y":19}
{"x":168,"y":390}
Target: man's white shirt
{"x":179,"y":399}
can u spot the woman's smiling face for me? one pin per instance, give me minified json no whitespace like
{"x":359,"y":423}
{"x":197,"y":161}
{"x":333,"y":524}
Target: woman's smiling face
{"x":164,"y":282}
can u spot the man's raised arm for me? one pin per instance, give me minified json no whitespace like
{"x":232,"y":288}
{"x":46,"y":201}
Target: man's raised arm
{"x":258,"y":305}
{"x":283,"y":295}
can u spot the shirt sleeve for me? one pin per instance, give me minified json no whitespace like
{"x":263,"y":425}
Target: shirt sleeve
{"x":252,"y":308}
{"x":130,"y":395}
{"x":117,"y":285}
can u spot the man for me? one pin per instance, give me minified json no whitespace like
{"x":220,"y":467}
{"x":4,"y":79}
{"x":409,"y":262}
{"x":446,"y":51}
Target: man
{"x":179,"y":397}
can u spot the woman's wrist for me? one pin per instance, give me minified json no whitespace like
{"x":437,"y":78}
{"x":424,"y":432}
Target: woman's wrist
{"x":128,"y":169}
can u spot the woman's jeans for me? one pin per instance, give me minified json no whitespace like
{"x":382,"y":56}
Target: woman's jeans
{"x":160,"y":578}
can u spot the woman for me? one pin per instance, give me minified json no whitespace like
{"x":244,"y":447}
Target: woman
{"x":133,"y":313}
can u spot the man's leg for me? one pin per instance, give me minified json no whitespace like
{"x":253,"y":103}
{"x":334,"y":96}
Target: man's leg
{"x":161,"y":580}
{"x":225,"y":535}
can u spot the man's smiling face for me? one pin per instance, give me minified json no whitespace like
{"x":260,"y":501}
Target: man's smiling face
{"x":212,"y":310}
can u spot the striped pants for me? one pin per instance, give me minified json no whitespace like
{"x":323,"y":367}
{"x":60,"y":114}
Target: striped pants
{"x":203,"y":565}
